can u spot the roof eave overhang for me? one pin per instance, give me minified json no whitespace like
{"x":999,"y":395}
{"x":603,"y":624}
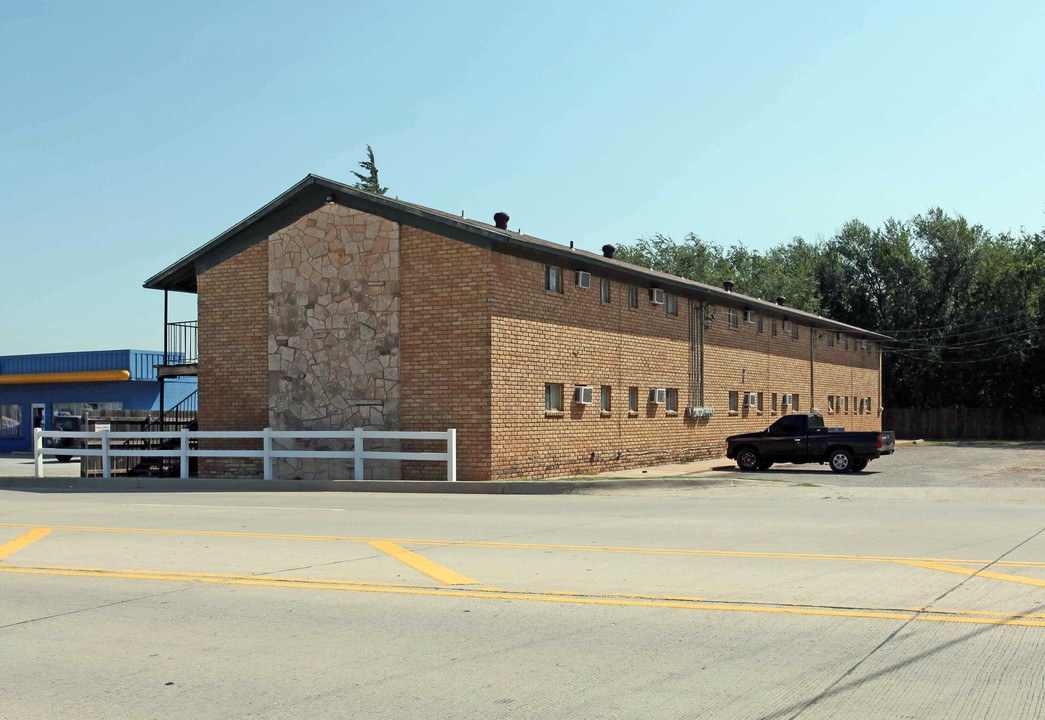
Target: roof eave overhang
{"x":313,"y":191}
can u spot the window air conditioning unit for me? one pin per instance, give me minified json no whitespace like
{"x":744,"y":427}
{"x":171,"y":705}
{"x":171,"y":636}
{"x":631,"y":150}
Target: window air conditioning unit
{"x":840,"y":337}
{"x":583,"y":279}
{"x":789,"y":399}
{"x":749,"y":316}
{"x":658,"y":396}
{"x":863,"y":345}
{"x":787,"y":326}
{"x":583,"y":394}
{"x":751,"y":399}
{"x":656,"y":296}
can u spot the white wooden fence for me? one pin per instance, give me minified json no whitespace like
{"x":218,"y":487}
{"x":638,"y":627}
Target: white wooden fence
{"x":267,"y":453}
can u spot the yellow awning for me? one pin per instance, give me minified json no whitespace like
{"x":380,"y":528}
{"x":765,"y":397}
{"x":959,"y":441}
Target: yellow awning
{"x":66,"y":377}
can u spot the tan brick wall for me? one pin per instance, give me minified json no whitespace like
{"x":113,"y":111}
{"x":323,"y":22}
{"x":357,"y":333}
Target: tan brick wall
{"x":574,"y":338}
{"x":478,"y":339}
{"x":233,"y":339}
{"x":445,"y":349}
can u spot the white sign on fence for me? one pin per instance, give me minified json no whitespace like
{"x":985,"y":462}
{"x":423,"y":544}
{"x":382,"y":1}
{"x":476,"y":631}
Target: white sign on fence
{"x":267,"y":454}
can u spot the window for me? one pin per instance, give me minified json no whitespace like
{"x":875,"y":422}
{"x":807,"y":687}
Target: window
{"x":671,"y":303}
{"x":830,"y":403}
{"x":830,"y":339}
{"x":672,"y":401}
{"x":794,"y":402}
{"x":552,"y":278}
{"x":733,"y":401}
{"x":794,"y":331}
{"x":633,"y":399}
{"x":760,"y":402}
{"x":605,"y":397}
{"x":553,"y":397}
{"x":758,"y":324}
{"x":772,"y":405}
{"x":604,"y":290}
{"x":774,"y":329}
{"x":10,"y":421}
{"x":867,"y":347}
{"x":633,"y":297}
{"x":732,"y":317}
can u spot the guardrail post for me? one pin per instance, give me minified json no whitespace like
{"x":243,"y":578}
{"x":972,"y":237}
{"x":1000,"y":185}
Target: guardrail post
{"x":451,"y":455}
{"x":183,"y":454}
{"x":266,"y":446}
{"x":106,"y":460}
{"x":357,"y":448}
{"x":38,"y":458}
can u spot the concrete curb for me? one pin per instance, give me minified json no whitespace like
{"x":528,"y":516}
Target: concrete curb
{"x":493,"y":487}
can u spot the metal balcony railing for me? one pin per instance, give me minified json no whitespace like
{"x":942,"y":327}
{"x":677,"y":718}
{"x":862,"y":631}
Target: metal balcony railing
{"x":182,"y":346}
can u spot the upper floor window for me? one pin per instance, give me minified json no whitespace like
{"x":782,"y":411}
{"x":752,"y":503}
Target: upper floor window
{"x":604,"y":290}
{"x":733,"y":401}
{"x":774,"y":328}
{"x":732,"y":316}
{"x":794,"y":331}
{"x":758,"y":324}
{"x":552,"y":278}
{"x":633,"y":399}
{"x":605,"y":398}
{"x":633,"y":297}
{"x":671,"y":303}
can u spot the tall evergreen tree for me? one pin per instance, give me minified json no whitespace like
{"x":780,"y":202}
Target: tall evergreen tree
{"x":369,"y":181}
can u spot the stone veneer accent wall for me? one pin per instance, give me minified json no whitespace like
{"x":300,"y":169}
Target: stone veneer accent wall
{"x":233,"y":316}
{"x":333,"y":333}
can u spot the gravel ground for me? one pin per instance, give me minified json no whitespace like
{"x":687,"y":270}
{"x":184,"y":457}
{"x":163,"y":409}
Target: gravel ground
{"x":964,"y":464}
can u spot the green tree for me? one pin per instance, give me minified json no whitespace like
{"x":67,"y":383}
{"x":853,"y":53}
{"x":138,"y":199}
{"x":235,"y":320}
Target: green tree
{"x":369,"y":181}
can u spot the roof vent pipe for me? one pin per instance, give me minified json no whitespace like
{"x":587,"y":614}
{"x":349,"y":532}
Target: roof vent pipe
{"x":608,"y":250}
{"x":501,"y":220}
{"x":780,"y":299}
{"x":728,"y":286}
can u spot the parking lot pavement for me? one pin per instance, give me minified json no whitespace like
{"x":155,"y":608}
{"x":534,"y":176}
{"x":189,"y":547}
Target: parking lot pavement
{"x":22,"y":466}
{"x":753,"y":600}
{"x":965,"y":464}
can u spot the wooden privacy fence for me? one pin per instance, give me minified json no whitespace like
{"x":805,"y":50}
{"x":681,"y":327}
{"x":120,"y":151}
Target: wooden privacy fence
{"x":961,"y":423}
{"x":183,"y":449}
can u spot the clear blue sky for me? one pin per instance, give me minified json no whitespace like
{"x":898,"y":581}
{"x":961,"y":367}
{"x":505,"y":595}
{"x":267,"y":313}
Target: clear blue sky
{"x":133,"y":132}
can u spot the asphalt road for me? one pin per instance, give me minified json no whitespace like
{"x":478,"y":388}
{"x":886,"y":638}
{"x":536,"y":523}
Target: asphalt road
{"x":753,"y":600}
{"x":965,"y":464}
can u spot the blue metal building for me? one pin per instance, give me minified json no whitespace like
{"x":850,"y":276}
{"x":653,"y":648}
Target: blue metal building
{"x":35,"y":388}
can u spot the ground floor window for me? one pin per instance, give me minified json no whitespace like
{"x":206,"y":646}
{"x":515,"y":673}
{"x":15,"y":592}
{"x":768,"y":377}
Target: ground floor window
{"x":553,"y":396}
{"x":605,"y":398}
{"x":773,"y":403}
{"x":672,"y":401}
{"x":633,"y":399}
{"x":10,"y":421}
{"x":733,"y":401}
{"x":79,"y":408}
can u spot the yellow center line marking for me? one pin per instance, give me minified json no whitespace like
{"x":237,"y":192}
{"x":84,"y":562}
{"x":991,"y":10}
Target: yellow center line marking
{"x":421,"y":564}
{"x":928,"y":616}
{"x":10,"y":548}
{"x":978,"y":573}
{"x":534,"y":546}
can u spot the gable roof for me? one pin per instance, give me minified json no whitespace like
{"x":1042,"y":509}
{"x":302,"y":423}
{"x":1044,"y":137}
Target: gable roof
{"x":313,"y":192}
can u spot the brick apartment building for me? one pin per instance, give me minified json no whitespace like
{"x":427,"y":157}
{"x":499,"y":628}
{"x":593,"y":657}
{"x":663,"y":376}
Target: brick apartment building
{"x":331,"y":308}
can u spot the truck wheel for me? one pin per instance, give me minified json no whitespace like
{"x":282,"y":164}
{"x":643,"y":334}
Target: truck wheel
{"x":748,"y":459}
{"x":859,"y":464}
{"x":841,"y":461}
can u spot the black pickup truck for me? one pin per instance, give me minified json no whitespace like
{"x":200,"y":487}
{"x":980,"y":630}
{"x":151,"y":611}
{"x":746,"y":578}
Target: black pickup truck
{"x":803,"y":438}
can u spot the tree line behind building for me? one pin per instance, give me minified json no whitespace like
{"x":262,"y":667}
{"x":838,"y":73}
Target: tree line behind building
{"x":965,"y":306}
